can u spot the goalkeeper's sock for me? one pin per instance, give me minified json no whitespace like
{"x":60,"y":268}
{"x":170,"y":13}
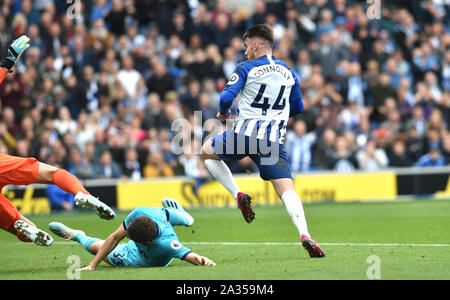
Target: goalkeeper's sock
{"x":68,"y":182}
{"x":85,"y":241}
{"x":222,"y":174}
{"x":295,"y":211}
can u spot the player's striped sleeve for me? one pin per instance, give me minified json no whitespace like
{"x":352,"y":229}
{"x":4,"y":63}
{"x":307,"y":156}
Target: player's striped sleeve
{"x":295,"y":99}
{"x":233,"y":88}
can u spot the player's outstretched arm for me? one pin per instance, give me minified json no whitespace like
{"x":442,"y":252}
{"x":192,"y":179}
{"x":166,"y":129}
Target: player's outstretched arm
{"x":295,"y":99}
{"x":15,"y":50}
{"x":225,"y":101}
{"x":221,"y":117}
{"x":198,"y":260}
{"x":110,"y":243}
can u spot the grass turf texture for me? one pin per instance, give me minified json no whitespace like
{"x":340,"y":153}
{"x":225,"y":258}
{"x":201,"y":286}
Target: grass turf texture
{"x":411,"y":222}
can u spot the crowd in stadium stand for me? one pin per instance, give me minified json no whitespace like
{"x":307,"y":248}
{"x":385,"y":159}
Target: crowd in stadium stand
{"x":102,"y":82}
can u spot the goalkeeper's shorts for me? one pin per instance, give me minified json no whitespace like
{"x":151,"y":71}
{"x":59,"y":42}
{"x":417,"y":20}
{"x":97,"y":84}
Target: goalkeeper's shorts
{"x":17,"y":171}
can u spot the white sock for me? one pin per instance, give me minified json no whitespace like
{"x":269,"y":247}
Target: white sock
{"x":222,"y":174}
{"x":295,"y":211}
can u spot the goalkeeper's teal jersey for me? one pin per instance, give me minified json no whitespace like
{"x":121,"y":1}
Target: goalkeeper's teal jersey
{"x":157,"y":254}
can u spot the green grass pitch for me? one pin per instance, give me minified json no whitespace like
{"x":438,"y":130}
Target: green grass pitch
{"x":410,"y":238}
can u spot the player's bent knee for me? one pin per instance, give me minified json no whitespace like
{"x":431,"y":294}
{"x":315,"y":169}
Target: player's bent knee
{"x":208,"y":151}
{"x":45,"y":174}
{"x":95,"y":247}
{"x":282,"y":185}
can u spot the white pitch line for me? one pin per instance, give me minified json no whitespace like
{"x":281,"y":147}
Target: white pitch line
{"x":396,"y":245}
{"x":324,"y":244}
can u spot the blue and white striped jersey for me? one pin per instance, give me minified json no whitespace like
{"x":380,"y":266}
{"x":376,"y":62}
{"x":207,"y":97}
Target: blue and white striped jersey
{"x":268,"y":91}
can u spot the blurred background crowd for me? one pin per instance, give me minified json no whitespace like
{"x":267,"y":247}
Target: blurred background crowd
{"x":103,"y":80}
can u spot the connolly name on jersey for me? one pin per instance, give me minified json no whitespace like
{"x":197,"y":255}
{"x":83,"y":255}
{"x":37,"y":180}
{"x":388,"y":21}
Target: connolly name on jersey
{"x":266,"y":85}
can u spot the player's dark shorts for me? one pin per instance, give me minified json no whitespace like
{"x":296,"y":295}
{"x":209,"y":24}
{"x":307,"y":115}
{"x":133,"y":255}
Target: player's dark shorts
{"x":271,"y":158}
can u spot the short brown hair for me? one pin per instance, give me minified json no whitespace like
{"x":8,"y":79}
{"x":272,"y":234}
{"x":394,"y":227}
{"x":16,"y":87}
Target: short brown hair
{"x":142,"y":230}
{"x":262,"y":31}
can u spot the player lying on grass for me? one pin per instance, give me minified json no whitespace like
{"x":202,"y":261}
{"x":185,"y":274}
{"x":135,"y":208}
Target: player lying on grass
{"x":269,"y":95}
{"x":153,"y":241}
{"x":24,"y":171}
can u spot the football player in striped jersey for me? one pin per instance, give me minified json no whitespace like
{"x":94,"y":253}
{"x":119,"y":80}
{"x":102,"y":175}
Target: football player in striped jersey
{"x":269,"y":95}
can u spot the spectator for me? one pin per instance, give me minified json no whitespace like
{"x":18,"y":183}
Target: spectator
{"x":7,"y":138}
{"x":91,"y":87}
{"x":100,"y":10}
{"x":349,"y":117}
{"x":223,"y":33}
{"x":229,"y":62}
{"x":446,"y":148}
{"x":153,"y":117}
{"x":190,"y":100}
{"x":208,"y":112}
{"x":136,"y":39}
{"x":445,"y":73}
{"x":372,"y":158}
{"x":156,"y":166}
{"x":356,"y":88}
{"x":424,"y":59}
{"x":325,"y":24}
{"x":131,"y":167}
{"x":344,"y":37}
{"x":180,"y":27}
{"x":23,"y":149}
{"x":382,"y":90}
{"x":11,"y":91}
{"x":59,"y":199}
{"x":433,"y":158}
{"x":107,"y":167}
{"x":79,"y":165}
{"x":80,"y":53}
{"x":299,"y":146}
{"x":193,"y":168}
{"x":344,"y":160}
{"x":83,"y":132}
{"x":64,"y":123}
{"x":260,"y":12}
{"x":161,"y":81}
{"x":76,"y":96}
{"x":201,"y":66}
{"x":324,"y":149}
{"x":171,"y":158}
{"x":399,"y":157}
{"x":328,"y":54}
{"x":116,"y":18}
{"x":393,"y":123}
{"x":128,"y":77}
{"x":303,"y":67}
{"x":9,"y":119}
{"x":30,"y":13}
{"x":213,"y":54}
